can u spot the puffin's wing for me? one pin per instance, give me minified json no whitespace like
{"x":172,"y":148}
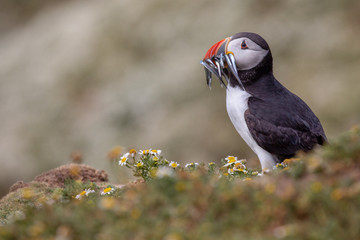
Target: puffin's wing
{"x":283,"y":141}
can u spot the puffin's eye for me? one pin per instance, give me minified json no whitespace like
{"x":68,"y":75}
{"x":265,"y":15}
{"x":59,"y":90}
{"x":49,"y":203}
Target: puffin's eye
{"x":243,"y":45}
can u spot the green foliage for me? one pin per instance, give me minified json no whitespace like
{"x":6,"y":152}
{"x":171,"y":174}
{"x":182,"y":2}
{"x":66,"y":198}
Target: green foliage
{"x":314,"y":197}
{"x":346,"y":148}
{"x":149,"y":164}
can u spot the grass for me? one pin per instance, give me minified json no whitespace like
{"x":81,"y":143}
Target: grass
{"x":314,"y":197}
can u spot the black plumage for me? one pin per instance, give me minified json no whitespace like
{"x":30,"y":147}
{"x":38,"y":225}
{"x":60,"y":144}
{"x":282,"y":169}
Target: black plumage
{"x":278,"y":120}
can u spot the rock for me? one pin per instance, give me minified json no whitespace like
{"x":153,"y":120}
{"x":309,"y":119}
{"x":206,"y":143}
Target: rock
{"x":18,"y":185}
{"x":56,"y":177}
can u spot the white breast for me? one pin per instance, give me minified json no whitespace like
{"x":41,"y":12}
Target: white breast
{"x":236,"y":105}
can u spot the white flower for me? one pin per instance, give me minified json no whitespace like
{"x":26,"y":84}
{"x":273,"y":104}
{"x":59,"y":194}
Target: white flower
{"x":144,"y":152}
{"x":86,"y":192}
{"x":239,"y":165}
{"x":188,"y":165}
{"x":155,"y":152}
{"x":239,"y":170}
{"x":230,"y":171}
{"x":173,"y":164}
{"x":279,"y":165}
{"x":233,"y":170}
{"x":230,"y":163}
{"x":230,"y":160}
{"x":108,"y":190}
{"x":123,"y":159}
{"x":132,"y":152}
{"x":139,"y":164}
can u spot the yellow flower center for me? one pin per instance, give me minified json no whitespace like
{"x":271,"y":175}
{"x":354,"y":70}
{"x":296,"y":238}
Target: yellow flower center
{"x":106,"y":190}
{"x":139,"y":164}
{"x":132,"y":151}
{"x":82,"y":193}
{"x":174,"y":165}
{"x":238,"y":165}
{"x":155,"y":158}
{"x":231,"y":159}
{"x":123,"y":159}
{"x":238,"y":169}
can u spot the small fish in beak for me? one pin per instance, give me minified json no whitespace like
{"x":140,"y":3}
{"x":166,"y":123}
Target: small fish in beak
{"x":221,"y":63}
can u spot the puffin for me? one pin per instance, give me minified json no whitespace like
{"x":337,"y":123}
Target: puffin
{"x":274,"y":122}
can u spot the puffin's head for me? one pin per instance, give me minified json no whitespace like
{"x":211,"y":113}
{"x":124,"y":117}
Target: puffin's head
{"x":243,"y":54}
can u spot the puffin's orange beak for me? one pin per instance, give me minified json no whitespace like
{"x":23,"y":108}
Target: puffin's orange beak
{"x":220,"y":62}
{"x":214,"y":50}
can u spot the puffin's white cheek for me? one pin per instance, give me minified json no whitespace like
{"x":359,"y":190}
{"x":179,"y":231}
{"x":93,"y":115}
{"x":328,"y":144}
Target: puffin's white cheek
{"x":247,"y":59}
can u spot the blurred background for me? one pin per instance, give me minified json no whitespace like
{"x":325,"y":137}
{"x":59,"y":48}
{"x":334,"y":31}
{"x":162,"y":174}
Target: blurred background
{"x":86,"y":76}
